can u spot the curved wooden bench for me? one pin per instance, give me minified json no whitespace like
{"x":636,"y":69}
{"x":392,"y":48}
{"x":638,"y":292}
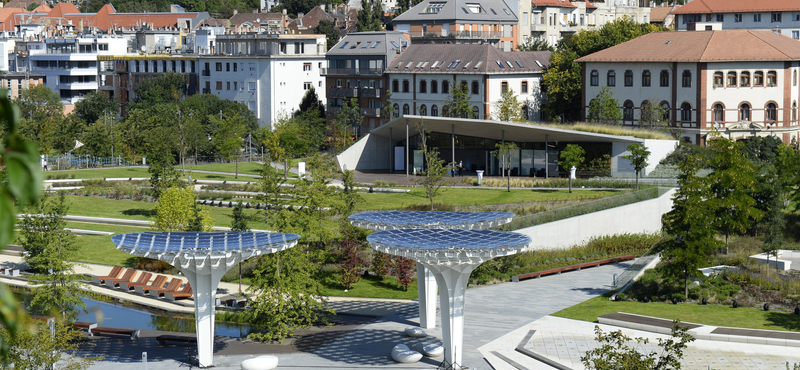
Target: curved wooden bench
{"x":162,"y":339}
{"x":578,"y":267}
{"x":133,"y":333}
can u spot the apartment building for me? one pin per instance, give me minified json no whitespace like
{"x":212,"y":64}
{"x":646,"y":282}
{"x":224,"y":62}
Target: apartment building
{"x":421,"y":77}
{"x":777,"y":15}
{"x":705,"y":80}
{"x":355,"y":69}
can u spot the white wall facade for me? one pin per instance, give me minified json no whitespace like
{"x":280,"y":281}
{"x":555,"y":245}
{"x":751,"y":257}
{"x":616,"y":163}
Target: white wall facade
{"x":371,"y":152}
{"x":415,"y":99}
{"x":532,"y":100}
{"x":621,"y":167}
{"x":789,"y":24}
{"x":554,"y":22}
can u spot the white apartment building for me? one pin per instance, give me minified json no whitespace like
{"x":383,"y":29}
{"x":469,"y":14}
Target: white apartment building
{"x":69,"y":65}
{"x":421,"y":77}
{"x":708,"y":84}
{"x":269,"y":73}
{"x":778,"y":15}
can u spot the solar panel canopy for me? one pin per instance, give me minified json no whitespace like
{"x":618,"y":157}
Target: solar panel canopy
{"x":445,"y":240}
{"x":386,"y":220}
{"x":201,"y":243}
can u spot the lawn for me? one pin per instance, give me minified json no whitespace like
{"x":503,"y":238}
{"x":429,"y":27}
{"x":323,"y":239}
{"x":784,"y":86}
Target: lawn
{"x":370,"y":287}
{"x":472,"y":196}
{"x":250,"y":168}
{"x":142,"y":172}
{"x":715,"y":315}
{"x":100,"y":249}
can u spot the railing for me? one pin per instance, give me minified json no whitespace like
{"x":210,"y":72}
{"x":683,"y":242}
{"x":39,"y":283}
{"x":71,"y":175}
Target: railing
{"x":88,"y":161}
{"x":538,"y":27}
{"x":206,"y":73}
{"x":333,"y":110}
{"x":342,"y":92}
{"x":521,"y":222}
{"x":371,"y":112}
{"x":457,"y":34}
{"x":206,"y":91}
{"x":352,"y":72}
{"x":370,"y":92}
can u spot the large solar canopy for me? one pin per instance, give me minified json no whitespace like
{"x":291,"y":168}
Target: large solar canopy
{"x":386,"y":220}
{"x":202,"y":244}
{"x":442,"y":240}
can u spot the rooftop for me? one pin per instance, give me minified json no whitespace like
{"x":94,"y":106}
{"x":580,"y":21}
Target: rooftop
{"x":459,"y":10}
{"x":737,"y":6}
{"x":370,"y":43}
{"x":467,"y":58}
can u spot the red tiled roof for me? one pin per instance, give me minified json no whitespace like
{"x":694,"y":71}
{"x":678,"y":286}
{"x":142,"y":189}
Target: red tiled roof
{"x":63,"y":8}
{"x":658,"y":13}
{"x":737,"y":6}
{"x":7,"y":19}
{"x":701,"y":46}
{"x":44,"y":8}
{"x":554,"y":3}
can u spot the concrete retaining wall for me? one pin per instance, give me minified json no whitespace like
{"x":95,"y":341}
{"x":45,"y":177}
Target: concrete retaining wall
{"x":369,"y":153}
{"x":621,"y":167}
{"x":641,"y":217}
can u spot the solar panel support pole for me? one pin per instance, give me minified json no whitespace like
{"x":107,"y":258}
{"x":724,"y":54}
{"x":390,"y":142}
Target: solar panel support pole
{"x":452,"y":281}
{"x":205,"y":280}
{"x":406,"y":164}
{"x":426,"y":291}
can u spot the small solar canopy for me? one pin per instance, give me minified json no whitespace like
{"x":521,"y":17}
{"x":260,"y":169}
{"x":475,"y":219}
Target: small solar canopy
{"x":382,"y":220}
{"x":201,"y":243}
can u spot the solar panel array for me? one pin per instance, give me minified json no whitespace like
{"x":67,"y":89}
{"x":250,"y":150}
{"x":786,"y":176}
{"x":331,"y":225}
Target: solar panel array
{"x":448,"y":240}
{"x":200,"y":243}
{"x":385,"y":220}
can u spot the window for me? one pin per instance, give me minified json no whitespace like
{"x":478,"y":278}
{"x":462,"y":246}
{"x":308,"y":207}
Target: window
{"x":719,"y":79}
{"x":796,"y":35}
{"x":665,"y":107}
{"x":219,"y":85}
{"x":719,"y":113}
{"x":235,"y":87}
{"x":744,"y":112}
{"x":776,"y":16}
{"x":423,"y":86}
{"x":396,"y":110}
{"x":523,"y":88}
{"x":405,"y":86}
{"x":252,"y":67}
{"x":594,"y":78}
{"x":758,"y":78}
{"x":771,"y":112}
{"x":744,"y":78}
{"x":434,"y":87}
{"x":627,"y":110}
{"x":611,"y":78}
{"x":475,"y":112}
{"x":299,"y":48}
{"x":445,"y":87}
{"x":227,"y":67}
{"x":628,"y":78}
{"x":686,"y":112}
{"x":306,"y":66}
{"x":251,"y":86}
{"x":646,"y":78}
{"x":687,"y":79}
{"x":283,"y":48}
{"x":228,"y":85}
{"x":796,"y":17}
{"x":720,"y":17}
{"x":405,"y":109}
{"x":219,"y":67}
{"x":794,"y":78}
{"x":794,"y":111}
{"x":476,"y":87}
{"x":504,"y":87}
{"x":434,"y":111}
{"x":737,"y":17}
{"x":236,"y":67}
{"x":664,"y":79}
{"x":307,"y":85}
{"x":757,"y":17}
{"x":772,"y":79}
{"x":423,"y":110}
{"x":395,"y":86}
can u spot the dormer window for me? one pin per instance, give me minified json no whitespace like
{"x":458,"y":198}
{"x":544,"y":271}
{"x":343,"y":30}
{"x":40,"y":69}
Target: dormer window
{"x":474,"y":8}
{"x":434,"y":8}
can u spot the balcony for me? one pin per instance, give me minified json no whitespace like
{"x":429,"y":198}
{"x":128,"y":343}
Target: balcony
{"x":206,"y":91}
{"x":483,"y":35}
{"x":371,"y":112}
{"x":206,"y":73}
{"x":538,"y":28}
{"x":342,"y":92}
{"x":333,"y":110}
{"x":370,"y":92}
{"x":352,"y":72}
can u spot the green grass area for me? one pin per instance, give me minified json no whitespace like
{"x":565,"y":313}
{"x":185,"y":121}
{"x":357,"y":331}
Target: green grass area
{"x":250,"y":168}
{"x":369,"y":287}
{"x":110,"y":228}
{"x":100,"y":249}
{"x":471,"y":197}
{"x":716,"y":315}
{"x":135,"y":172}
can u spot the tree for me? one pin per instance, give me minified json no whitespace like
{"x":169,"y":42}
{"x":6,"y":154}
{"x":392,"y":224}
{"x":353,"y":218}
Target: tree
{"x":536,"y":44}
{"x":457,"y":104}
{"x":638,"y":157}
{"x":615,"y":354}
{"x":505,"y":152}
{"x":326,"y":27}
{"x":366,"y":17}
{"x":403,"y":269}
{"x":166,"y":88}
{"x":40,"y":110}
{"x":40,"y":348}
{"x":351,"y":257}
{"x":228,"y":138}
{"x":691,"y":222}
{"x":349,"y":195}
{"x":433,"y":175}
{"x":94,"y":106}
{"x":571,"y":156}
{"x":388,"y":112}
{"x":20,"y":185}
{"x":177,"y":210}
{"x":55,"y":286}
{"x":653,"y":115}
{"x":277,"y":153}
{"x":239,"y":224}
{"x":163,"y":176}
{"x":311,"y":101}
{"x":508,"y":108}
{"x":349,"y":117}
{"x":97,"y":139}
{"x":604,"y":108}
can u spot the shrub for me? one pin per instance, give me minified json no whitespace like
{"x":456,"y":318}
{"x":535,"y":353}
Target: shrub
{"x":149,"y":264}
{"x":351,"y":259}
{"x":381,"y":263}
{"x":403,"y":269}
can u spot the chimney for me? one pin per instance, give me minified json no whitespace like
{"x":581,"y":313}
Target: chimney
{"x":80,"y":25}
{"x":255,"y":11}
{"x":235,"y":12}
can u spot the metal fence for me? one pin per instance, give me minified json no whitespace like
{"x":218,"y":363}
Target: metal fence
{"x":74,"y":161}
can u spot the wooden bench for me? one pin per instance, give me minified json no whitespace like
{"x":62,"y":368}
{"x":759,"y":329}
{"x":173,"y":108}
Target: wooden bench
{"x":186,"y":292}
{"x":116,"y":271}
{"x":133,"y":333}
{"x":11,"y":272}
{"x":162,"y":339}
{"x":558,"y":270}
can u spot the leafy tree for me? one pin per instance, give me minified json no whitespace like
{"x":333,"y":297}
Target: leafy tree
{"x":653,"y":115}
{"x":508,"y":108}
{"x":536,"y":44}
{"x":604,"y":108}
{"x":388,"y":112}
{"x":97,"y":139}
{"x":351,"y":257}
{"x":65,"y":131}
{"x":32,"y":6}
{"x":433,"y":175}
{"x":163,"y":176}
{"x":177,"y":210}
{"x":166,"y":88}
{"x":504,"y":153}
{"x":571,"y":156}
{"x":381,"y":264}
{"x":348,"y":118}
{"x":277,"y":153}
{"x":239,"y":224}
{"x":403,"y":269}
{"x":638,"y":157}
{"x":366,"y":17}
{"x":40,"y":110}
{"x":615,"y":353}
{"x":271,"y":188}
{"x":326,"y":27}
{"x":55,"y":286}
{"x":457,"y":104}
{"x":41,"y":348}
{"x":228,"y":138}
{"x":94,"y":106}
{"x":691,"y":222}
{"x":562,"y":80}
{"x":20,"y":185}
{"x":349,"y":195}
